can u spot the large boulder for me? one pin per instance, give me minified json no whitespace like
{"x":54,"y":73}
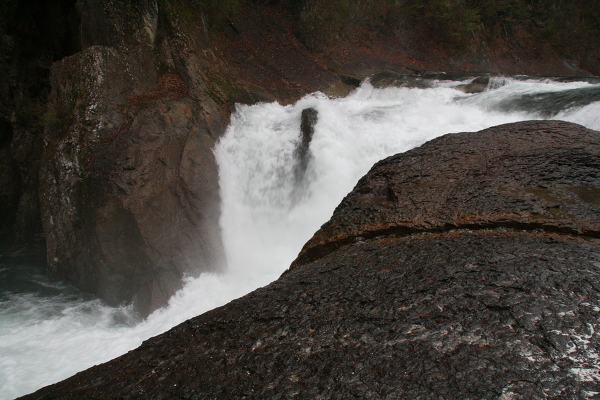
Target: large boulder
{"x":467,"y":268}
{"x":526,"y":176}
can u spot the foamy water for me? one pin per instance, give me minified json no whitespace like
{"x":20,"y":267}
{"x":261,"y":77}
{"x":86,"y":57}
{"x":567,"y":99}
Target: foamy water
{"x":267,"y":216}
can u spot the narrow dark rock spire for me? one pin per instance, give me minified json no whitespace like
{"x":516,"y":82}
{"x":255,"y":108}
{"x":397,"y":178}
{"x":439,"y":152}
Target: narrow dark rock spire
{"x":308,"y":120}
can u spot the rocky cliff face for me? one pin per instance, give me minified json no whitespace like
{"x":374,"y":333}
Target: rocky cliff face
{"x":464,"y":269}
{"x":128,"y":181}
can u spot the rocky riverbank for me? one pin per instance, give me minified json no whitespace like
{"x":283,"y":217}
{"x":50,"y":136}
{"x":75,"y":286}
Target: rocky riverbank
{"x":476,"y":278}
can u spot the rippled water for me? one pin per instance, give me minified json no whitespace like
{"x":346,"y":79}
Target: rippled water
{"x":50,"y":331}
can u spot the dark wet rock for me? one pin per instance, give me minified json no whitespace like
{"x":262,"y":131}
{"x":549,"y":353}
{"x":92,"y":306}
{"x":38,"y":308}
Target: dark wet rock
{"x":33,"y":34}
{"x":129,"y":184}
{"x":456,"y":76}
{"x":487,"y":288}
{"x":308,"y":120}
{"x":482,"y":80}
{"x":9,"y":178}
{"x":95,"y":27}
{"x":122,"y":67}
{"x":472,"y":88}
{"x":129,"y":190}
{"x":350,"y":80}
{"x":389,"y":79}
{"x":477,"y":85}
{"x":425,"y":80}
{"x":549,"y":104}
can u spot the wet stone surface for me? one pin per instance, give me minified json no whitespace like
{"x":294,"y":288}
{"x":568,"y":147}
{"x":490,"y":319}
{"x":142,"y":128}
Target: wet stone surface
{"x":455,"y":316}
{"x":533,"y":175}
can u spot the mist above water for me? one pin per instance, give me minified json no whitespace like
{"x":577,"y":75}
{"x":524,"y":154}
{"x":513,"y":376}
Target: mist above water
{"x":48,"y":332}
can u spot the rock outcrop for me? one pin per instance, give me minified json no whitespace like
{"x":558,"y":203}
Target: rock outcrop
{"x":475,"y":181}
{"x":308,"y":120}
{"x":129,"y":189}
{"x":467,"y":268}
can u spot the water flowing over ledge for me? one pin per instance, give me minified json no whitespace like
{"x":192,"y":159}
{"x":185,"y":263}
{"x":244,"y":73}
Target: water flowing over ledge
{"x":267,"y":215}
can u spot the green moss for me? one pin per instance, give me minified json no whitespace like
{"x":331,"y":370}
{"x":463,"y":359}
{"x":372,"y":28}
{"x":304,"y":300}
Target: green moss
{"x":58,"y":119}
{"x":30,"y":111}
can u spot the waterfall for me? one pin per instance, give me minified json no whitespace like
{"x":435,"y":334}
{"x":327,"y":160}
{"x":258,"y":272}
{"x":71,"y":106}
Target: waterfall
{"x":50,"y":331}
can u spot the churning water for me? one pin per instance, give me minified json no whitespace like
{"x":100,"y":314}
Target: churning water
{"x":50,"y":331}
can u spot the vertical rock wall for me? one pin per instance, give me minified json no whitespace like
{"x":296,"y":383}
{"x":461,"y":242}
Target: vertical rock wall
{"x":129,"y":186}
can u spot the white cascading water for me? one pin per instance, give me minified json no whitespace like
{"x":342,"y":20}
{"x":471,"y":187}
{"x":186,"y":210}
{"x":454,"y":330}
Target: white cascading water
{"x":266,"y":218}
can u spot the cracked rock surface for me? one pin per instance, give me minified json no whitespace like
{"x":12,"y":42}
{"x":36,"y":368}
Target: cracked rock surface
{"x":488,"y":309}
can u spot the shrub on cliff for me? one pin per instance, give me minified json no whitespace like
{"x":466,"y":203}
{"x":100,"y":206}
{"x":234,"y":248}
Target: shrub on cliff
{"x":320,"y":23}
{"x":213,"y":13}
{"x":448,"y":22}
{"x":565,"y":23}
{"x":502,"y":17}
{"x":571,"y":26}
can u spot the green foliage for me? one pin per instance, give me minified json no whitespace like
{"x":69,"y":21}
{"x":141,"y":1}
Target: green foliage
{"x":568,"y":24}
{"x":571,"y":25}
{"x":58,"y":119}
{"x":446,"y":21}
{"x":30,"y":110}
{"x":320,"y":23}
{"x":501,"y":17}
{"x":211,"y":13}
